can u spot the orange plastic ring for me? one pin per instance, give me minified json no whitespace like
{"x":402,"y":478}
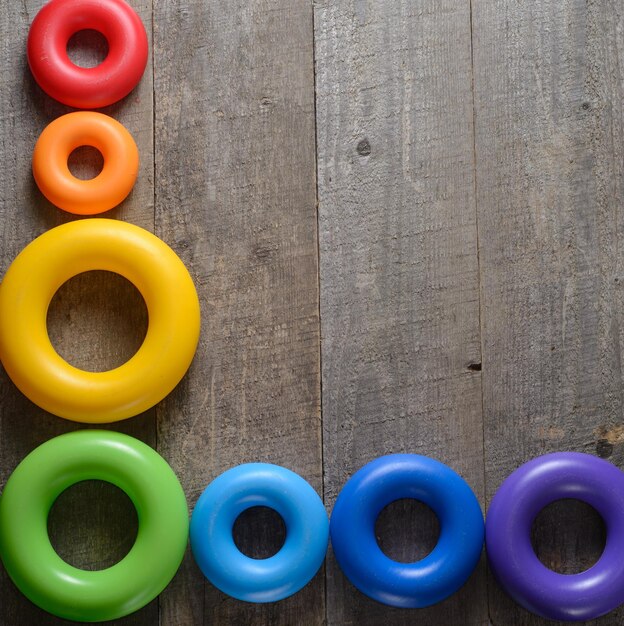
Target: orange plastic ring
{"x":85,"y":128}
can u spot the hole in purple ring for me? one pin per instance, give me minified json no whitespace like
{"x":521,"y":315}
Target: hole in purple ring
{"x":568,"y":536}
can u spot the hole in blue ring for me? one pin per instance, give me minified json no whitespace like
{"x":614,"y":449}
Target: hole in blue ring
{"x":259,"y":532}
{"x":568,"y":536}
{"x":92,"y":525}
{"x":407,"y":530}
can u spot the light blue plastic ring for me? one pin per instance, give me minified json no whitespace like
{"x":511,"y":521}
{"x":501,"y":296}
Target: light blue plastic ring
{"x":259,"y":580}
{"x":439,"y":574}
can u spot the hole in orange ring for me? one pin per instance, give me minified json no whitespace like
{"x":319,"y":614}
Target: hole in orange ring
{"x":85,"y":162}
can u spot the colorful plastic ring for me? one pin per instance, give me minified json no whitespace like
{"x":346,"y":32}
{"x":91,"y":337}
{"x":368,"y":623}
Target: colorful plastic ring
{"x":66,"y":591}
{"x":520,"y":498}
{"x":172,"y":334}
{"x":439,"y":574}
{"x":109,"y":187}
{"x":94,"y":87}
{"x":294,"y":565}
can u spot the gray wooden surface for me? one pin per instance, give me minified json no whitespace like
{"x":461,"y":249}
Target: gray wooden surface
{"x":548,"y":110}
{"x":403,"y":218}
{"x":398,"y":258}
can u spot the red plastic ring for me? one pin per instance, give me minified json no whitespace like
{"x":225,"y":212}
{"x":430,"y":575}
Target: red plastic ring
{"x":94,"y":87}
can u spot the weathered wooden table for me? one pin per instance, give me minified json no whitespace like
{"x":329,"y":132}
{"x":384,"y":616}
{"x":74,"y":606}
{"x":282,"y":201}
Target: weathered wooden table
{"x":405,"y":222}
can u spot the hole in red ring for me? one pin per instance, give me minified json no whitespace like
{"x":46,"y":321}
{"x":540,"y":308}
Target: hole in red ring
{"x":407,"y":530}
{"x":87,"y":48}
{"x":259,"y":532}
{"x":568,"y":536}
{"x":92,"y":525}
{"x":97,"y":320}
{"x":85,"y":162}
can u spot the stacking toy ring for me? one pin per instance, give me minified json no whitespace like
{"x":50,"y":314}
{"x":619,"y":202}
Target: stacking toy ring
{"x":520,"y":498}
{"x":94,"y":87}
{"x":294,"y":565}
{"x":170,"y":342}
{"x":109,"y":187}
{"x":445,"y":569}
{"x":66,"y":591}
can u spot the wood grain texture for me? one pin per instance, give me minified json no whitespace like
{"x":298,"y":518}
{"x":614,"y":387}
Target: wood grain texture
{"x":470,"y":193}
{"x":398,"y":250}
{"x":549,"y":135}
{"x":235,"y":179}
{"x":96,"y":320}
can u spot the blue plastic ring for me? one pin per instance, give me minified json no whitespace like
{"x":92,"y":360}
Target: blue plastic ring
{"x":259,"y":580}
{"x":439,"y":574}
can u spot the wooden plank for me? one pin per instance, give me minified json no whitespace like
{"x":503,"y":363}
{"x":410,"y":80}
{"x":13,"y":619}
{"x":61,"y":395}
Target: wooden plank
{"x":235,"y":173}
{"x":92,"y":524}
{"x":549,"y":136}
{"x":399,"y":272}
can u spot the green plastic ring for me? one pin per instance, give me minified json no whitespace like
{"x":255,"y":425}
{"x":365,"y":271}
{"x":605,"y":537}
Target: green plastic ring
{"x":66,"y":591}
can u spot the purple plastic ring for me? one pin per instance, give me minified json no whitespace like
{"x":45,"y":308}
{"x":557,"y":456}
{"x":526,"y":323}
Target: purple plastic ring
{"x":521,"y":497}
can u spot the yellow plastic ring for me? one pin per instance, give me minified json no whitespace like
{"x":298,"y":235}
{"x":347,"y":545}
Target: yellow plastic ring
{"x":109,"y":187}
{"x":170,"y":342}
